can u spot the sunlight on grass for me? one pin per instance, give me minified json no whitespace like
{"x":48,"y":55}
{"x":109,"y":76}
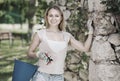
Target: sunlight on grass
{"x":8,"y":54}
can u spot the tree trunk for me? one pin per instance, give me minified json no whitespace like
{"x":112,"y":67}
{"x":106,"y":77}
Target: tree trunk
{"x":104,"y":62}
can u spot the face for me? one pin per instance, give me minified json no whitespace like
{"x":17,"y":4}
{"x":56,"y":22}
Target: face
{"x":54,"y":17}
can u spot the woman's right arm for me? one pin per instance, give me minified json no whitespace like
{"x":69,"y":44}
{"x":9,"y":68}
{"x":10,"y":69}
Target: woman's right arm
{"x":33,"y":46}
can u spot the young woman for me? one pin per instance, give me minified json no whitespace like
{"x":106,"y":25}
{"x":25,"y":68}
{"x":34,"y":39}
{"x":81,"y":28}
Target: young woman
{"x":52,"y":43}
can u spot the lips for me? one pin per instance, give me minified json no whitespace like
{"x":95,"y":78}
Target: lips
{"x":53,"y":21}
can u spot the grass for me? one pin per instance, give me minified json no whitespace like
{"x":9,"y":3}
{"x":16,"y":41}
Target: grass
{"x":8,"y":54}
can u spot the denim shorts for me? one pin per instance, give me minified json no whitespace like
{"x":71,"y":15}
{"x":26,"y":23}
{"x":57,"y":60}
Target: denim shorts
{"x":40,"y":76}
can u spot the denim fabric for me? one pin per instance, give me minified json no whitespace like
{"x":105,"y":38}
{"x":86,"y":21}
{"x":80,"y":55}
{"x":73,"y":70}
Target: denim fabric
{"x":40,"y":76}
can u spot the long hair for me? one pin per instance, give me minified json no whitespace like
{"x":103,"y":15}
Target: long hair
{"x":61,"y":26}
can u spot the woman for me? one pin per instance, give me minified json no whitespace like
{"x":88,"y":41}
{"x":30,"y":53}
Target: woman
{"x":52,"y":43}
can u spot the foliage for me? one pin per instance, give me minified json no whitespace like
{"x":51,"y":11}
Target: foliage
{"x":13,"y":11}
{"x":42,"y":6}
{"x":17,"y":11}
{"x":113,"y":6}
{"x":78,"y":20}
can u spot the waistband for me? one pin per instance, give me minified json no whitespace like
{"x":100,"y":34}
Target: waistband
{"x":50,"y":74}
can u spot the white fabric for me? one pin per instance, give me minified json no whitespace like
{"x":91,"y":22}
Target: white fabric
{"x":56,"y":50}
{"x":56,"y":46}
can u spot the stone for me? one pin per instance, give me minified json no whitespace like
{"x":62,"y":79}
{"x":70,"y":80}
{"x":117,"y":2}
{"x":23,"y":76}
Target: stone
{"x":114,"y":39}
{"x":62,"y":2}
{"x":73,"y":67}
{"x":67,"y":14}
{"x":83,"y":74}
{"x":104,"y":27}
{"x":70,"y":76}
{"x":74,"y":58}
{"x":102,"y":50}
{"x":49,"y":1}
{"x":95,"y":5}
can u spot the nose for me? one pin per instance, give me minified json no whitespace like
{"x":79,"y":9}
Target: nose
{"x":53,"y":17}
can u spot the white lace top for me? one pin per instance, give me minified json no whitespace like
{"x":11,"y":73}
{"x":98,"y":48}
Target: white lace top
{"x":56,"y":50}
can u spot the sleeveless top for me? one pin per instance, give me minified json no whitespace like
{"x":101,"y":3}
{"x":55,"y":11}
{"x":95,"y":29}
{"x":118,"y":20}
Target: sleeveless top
{"x":56,"y":50}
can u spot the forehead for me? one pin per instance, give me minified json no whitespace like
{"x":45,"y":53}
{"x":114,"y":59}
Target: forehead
{"x":54,"y":11}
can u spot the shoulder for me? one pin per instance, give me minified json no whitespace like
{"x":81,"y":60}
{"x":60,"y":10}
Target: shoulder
{"x":40,"y":33}
{"x":67,"y":36}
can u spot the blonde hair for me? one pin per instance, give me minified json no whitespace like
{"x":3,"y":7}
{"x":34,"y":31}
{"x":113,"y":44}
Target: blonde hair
{"x":61,"y":26}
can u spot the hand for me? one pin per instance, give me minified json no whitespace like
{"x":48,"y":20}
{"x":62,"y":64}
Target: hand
{"x":89,"y":25}
{"x":44,"y":56}
{"x":41,"y":55}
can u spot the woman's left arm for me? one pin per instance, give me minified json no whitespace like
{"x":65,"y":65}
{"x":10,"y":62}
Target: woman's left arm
{"x":83,"y":46}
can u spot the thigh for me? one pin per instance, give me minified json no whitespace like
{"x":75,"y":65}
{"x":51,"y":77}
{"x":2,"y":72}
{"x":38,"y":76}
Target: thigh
{"x":57,"y":78}
{"x":39,"y":77}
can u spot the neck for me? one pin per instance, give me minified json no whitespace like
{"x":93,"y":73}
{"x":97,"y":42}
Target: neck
{"x":53,"y":29}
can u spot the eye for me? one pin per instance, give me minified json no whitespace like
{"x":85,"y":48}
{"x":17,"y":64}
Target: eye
{"x":57,"y":16}
{"x":50,"y":15}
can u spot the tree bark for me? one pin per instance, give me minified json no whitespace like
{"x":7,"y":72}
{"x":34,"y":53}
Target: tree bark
{"x":104,"y":62}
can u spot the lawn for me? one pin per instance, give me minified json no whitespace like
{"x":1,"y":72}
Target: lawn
{"x":7,"y":56}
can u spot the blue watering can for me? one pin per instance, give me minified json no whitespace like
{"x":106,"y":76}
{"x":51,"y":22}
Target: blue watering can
{"x":23,"y":71}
